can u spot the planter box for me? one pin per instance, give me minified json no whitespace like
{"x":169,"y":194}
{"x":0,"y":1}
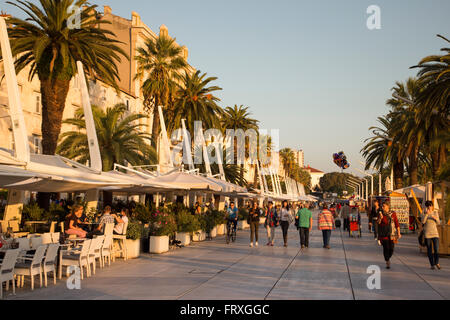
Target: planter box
{"x":221,"y":229}
{"x":242,"y":224}
{"x":199,"y":235}
{"x":159,"y":244}
{"x":213,"y":232}
{"x":133,"y":248}
{"x":184,"y":237}
{"x":145,"y":245}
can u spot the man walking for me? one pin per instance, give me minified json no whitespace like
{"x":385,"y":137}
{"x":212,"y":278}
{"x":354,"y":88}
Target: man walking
{"x":326,"y":224}
{"x":271,"y":223}
{"x":304,"y":217}
{"x":345,"y":213}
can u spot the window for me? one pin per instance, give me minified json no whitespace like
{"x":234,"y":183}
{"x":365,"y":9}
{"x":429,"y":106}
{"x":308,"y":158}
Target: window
{"x":127,"y":104}
{"x":37,"y":144}
{"x":37,"y":102}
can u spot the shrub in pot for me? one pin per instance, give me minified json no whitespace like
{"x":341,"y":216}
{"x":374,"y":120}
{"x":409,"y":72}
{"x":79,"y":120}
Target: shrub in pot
{"x":186,"y":224}
{"x":134,"y":234}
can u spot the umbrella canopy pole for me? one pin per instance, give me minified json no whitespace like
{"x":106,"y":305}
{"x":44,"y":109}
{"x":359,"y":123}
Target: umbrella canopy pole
{"x":15,"y":198}
{"x":92,"y":200}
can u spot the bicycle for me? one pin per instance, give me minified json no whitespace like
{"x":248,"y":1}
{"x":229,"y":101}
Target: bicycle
{"x":231,"y":232}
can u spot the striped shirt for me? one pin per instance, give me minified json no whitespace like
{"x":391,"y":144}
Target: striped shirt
{"x":106,"y":218}
{"x":326,"y":220}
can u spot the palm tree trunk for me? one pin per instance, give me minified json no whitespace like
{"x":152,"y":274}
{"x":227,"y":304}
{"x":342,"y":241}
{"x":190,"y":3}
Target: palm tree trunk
{"x":54,"y":94}
{"x":413,"y":167}
{"x":156,"y":127}
{"x":398,"y":175}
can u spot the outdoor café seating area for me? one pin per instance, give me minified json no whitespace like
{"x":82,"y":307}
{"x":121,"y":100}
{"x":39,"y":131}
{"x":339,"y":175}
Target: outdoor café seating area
{"x":44,"y":257}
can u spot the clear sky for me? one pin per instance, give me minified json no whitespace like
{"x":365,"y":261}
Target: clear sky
{"x":309,"y":68}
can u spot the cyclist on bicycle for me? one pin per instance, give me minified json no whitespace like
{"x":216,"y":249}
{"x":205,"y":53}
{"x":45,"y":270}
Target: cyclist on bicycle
{"x":232,"y":215}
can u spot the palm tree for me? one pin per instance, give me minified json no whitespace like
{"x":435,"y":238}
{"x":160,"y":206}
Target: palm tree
{"x":161,"y":62}
{"x":405,"y":129}
{"x":238,"y":118}
{"x":434,"y":73}
{"x":46,"y":44}
{"x":195,"y":102}
{"x":381,"y":149}
{"x":119,"y":138}
{"x":433,"y":104}
{"x":287,"y":158}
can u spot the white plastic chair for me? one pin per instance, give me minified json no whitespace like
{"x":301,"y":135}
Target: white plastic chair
{"x":31,"y":266}
{"x":98,"y":252}
{"x":108,"y":230}
{"x":94,"y":251}
{"x":24,"y":244}
{"x":36,"y":242}
{"x":49,"y":264}
{"x":46,"y":238}
{"x":76,"y":258}
{"x":55,"y":237}
{"x":106,"y":250}
{"x":122,"y":238}
{"x":7,"y":270}
{"x":53,"y":226}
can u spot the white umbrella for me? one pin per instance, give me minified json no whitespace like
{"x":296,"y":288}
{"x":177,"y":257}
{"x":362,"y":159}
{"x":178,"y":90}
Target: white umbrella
{"x":189,"y":181}
{"x":10,"y":175}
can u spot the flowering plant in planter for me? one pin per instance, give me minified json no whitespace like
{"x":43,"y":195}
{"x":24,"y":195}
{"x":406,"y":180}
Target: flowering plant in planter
{"x":162,"y":223}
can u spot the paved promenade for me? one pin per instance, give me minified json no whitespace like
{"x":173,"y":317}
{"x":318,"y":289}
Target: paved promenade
{"x":215,"y":270}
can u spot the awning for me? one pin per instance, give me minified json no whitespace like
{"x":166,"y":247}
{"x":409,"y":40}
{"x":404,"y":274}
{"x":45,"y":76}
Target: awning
{"x":419,"y":191}
{"x":185,"y":180}
{"x":10,"y":175}
{"x":139,"y":184}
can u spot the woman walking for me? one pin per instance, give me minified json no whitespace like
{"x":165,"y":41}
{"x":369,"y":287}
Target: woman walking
{"x":326,"y":224}
{"x":253,"y":219}
{"x":285,"y":220}
{"x":430,"y":220}
{"x":388,"y":231}
{"x":271,"y":223}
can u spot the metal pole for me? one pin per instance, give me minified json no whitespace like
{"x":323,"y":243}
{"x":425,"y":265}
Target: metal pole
{"x":392,"y":178}
{"x":379,"y":184}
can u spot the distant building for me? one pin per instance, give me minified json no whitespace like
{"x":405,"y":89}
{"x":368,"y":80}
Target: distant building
{"x":300,"y":158}
{"x":315,"y":176}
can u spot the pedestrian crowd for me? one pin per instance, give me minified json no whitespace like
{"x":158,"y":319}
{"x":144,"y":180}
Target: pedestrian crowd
{"x":383,"y":223}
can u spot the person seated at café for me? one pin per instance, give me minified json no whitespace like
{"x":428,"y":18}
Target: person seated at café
{"x":122,"y":219}
{"x":107,"y":217}
{"x":71,"y":225}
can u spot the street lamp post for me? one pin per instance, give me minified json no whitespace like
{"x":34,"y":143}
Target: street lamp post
{"x":367,"y":181}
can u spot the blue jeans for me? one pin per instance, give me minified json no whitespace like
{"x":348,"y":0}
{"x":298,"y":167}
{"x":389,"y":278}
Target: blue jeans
{"x":433,"y":256}
{"x":326,"y":237}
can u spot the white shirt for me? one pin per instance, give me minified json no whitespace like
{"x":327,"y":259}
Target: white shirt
{"x":119,"y":227}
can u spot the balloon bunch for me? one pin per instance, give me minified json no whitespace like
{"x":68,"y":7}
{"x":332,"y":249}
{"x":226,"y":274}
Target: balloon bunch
{"x":341,"y":160}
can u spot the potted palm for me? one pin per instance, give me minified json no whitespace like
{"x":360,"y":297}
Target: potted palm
{"x":162,"y":225}
{"x":133,"y":241}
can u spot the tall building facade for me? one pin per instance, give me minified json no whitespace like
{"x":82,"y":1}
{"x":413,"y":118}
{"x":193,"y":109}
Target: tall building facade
{"x":132,"y":33}
{"x":300,"y":158}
